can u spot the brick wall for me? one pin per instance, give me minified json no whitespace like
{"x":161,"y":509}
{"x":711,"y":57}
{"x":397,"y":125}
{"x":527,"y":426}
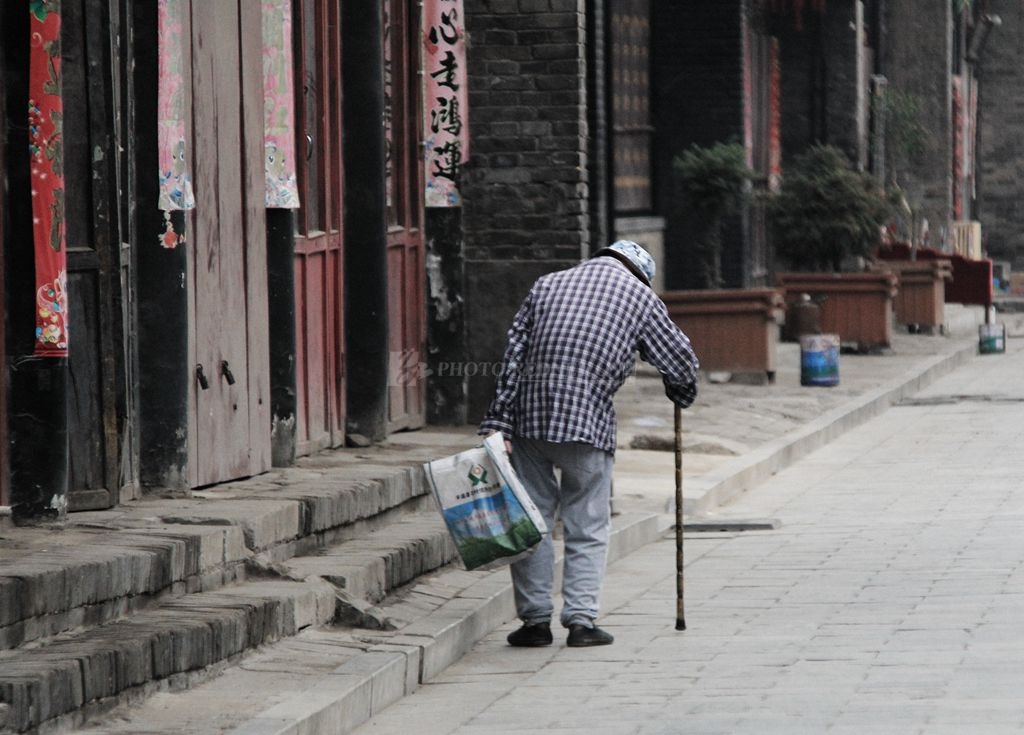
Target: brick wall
{"x":916,"y":58}
{"x":1001,"y":135}
{"x":803,"y":116}
{"x":842,"y":38}
{"x":822,"y":90}
{"x":525,"y":186}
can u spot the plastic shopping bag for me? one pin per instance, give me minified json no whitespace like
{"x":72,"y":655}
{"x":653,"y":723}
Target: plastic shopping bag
{"x":489,"y":514}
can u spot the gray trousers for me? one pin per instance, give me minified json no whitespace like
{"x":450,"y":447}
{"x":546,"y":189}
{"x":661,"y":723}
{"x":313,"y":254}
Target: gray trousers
{"x":581,"y":500}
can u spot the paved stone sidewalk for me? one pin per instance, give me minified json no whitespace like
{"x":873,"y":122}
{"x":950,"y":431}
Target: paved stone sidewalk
{"x":889,"y":601}
{"x":736,"y":437}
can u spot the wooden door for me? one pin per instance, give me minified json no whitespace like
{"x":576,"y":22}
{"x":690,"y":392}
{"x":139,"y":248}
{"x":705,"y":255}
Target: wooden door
{"x":230,"y":422}
{"x":404,"y":190}
{"x":95,"y":358}
{"x":319,"y":298}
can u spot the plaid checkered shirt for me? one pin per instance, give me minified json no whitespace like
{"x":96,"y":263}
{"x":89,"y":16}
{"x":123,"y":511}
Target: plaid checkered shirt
{"x":571,"y":347}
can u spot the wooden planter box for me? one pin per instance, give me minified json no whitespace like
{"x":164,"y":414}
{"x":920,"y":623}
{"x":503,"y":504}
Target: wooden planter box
{"x":921,"y":300}
{"x":732,"y":330}
{"x":972,"y":279}
{"x":856,"y":306}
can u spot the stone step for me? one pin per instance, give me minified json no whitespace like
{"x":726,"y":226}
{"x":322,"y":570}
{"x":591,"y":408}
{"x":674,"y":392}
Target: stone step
{"x":88,"y":577}
{"x":114,"y":563}
{"x":369,"y":566}
{"x":185,"y":639}
{"x":333,"y":679}
{"x":53,"y":684}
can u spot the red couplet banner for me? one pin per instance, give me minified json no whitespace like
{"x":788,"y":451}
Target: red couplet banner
{"x":45,"y":127}
{"x":445,"y":101}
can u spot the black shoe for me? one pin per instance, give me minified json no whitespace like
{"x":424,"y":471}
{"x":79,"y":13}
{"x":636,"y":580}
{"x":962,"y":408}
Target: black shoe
{"x":531,"y":635}
{"x":581,"y":635}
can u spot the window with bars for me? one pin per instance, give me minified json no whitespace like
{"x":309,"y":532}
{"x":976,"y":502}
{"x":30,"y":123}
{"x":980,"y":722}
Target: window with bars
{"x":629,"y":39}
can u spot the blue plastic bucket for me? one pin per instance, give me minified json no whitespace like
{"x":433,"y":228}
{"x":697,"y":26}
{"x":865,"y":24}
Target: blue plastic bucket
{"x":819,"y":359}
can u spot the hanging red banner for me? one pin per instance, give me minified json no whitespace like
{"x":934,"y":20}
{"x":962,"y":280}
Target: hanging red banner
{"x":445,"y":101}
{"x":45,"y":127}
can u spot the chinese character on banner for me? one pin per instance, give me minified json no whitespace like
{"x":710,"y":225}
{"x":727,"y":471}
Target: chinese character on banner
{"x":445,"y":96}
{"x":45,"y":129}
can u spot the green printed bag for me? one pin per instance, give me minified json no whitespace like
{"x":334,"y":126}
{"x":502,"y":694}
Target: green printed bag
{"x":489,"y":514}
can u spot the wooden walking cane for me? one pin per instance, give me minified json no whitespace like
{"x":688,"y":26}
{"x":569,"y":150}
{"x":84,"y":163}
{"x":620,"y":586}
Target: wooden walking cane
{"x":680,"y":616}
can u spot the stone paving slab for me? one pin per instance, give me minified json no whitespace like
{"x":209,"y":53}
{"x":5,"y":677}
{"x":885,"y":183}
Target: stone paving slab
{"x":888,"y":600}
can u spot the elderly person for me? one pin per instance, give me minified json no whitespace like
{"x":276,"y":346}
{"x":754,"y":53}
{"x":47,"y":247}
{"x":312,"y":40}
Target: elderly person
{"x":570,"y":348}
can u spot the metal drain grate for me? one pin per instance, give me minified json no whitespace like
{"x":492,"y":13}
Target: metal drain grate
{"x":732,"y":525}
{"x":951,"y":400}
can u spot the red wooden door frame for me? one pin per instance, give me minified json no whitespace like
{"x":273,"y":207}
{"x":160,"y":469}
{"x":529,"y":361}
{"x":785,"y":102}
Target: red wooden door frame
{"x":319,"y":291}
{"x":405,"y":245}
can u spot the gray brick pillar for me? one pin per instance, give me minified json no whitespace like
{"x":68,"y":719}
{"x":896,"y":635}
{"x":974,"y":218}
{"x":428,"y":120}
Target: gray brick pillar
{"x":917,"y":59}
{"x":1000,"y":69}
{"x":525,"y":186}
{"x":845,"y":79}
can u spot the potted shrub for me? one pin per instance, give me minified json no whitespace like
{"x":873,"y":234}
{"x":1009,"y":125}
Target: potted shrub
{"x":712,"y":182}
{"x":825,"y":219}
{"x":825,"y":212}
{"x":733,"y":330}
